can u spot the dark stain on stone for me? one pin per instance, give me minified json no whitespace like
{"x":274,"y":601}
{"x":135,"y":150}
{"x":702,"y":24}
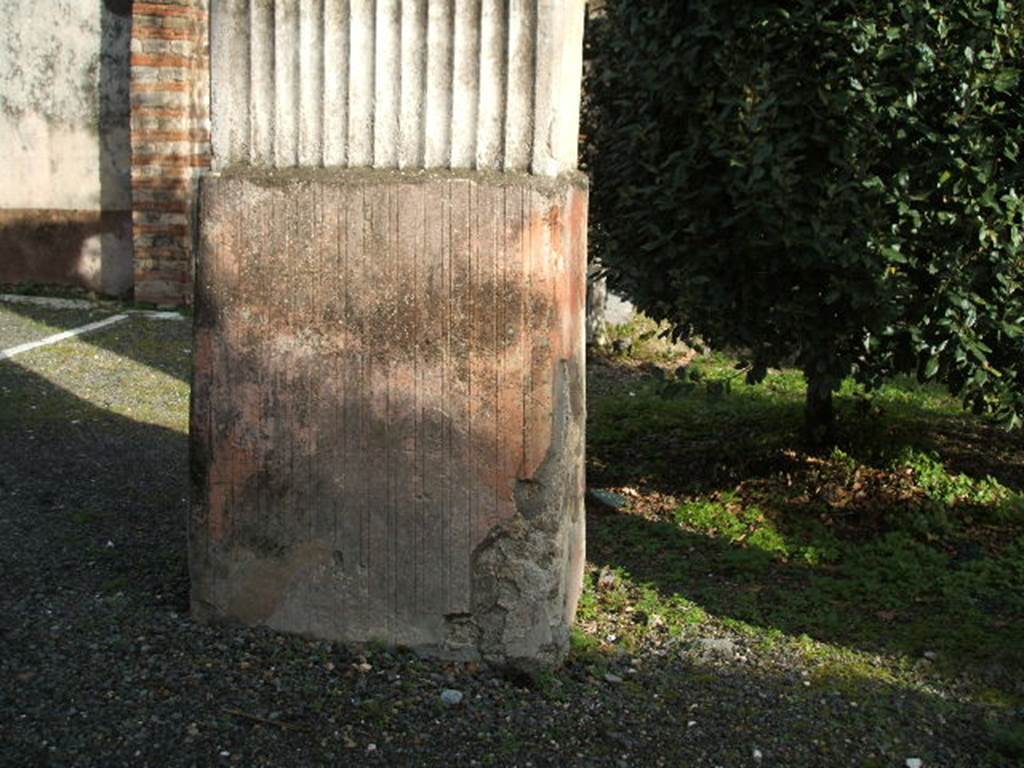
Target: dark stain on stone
{"x":337,"y":421}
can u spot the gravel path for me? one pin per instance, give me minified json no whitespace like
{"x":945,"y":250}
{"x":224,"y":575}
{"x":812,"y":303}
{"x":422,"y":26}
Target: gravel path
{"x":100,"y":664}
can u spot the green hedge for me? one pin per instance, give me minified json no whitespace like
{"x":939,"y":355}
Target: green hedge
{"x":835,"y":181}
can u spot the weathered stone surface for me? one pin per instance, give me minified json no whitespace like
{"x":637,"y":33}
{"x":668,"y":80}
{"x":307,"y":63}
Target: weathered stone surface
{"x":388,"y":408}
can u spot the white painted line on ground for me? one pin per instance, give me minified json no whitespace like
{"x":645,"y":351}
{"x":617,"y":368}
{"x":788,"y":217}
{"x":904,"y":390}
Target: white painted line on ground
{"x":12,"y":351}
{"x":152,"y":314}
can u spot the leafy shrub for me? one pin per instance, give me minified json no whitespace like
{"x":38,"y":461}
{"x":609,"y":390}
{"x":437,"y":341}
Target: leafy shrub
{"x":835,"y":182}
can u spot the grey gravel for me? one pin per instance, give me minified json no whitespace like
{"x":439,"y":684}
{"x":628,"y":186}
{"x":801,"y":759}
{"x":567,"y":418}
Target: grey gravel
{"x":100,"y":664}
{"x":451,"y":697}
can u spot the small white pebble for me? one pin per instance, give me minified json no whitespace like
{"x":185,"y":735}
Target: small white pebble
{"x":451,"y":697}
{"x":914,"y":762}
{"x":371,"y":747}
{"x":757,"y":754}
{"x":691,"y":724}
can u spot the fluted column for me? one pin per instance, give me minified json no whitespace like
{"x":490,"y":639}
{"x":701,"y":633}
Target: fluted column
{"x":388,"y":413}
{"x":425,"y":84}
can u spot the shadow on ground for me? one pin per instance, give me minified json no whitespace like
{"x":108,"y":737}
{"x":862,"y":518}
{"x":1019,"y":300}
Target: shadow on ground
{"x":877,"y":601}
{"x":100,"y":666}
{"x":92,"y":500}
{"x":697,"y":442}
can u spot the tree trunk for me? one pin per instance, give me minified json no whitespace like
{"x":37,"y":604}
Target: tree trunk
{"x":597,"y":304}
{"x":819,"y":414}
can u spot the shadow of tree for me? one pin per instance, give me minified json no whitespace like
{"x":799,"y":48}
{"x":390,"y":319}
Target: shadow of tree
{"x":873,"y":599}
{"x":702,"y":443}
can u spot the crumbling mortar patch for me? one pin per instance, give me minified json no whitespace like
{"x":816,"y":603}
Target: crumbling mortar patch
{"x":516,"y":557}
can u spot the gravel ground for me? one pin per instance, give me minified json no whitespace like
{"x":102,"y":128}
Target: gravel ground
{"x":100,"y":664}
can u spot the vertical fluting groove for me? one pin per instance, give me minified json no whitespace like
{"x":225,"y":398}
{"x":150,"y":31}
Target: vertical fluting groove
{"x":286,"y":76}
{"x":336,"y":78}
{"x":437,"y":123}
{"x":465,"y":83}
{"x":322,"y":27}
{"x":362,"y":403}
{"x":492,"y":91}
{"x":261,"y":99}
{"x":310,"y":77}
{"x":569,"y":84}
{"x":413,"y":69}
{"x":261,"y":385}
{"x":528,"y":269}
{"x":419,"y":287}
{"x":349,"y":365}
{"x":494,"y":268}
{"x":422,"y":370}
{"x":558,"y":77}
{"x":522,"y":31}
{"x":449,"y":374}
{"x":230,"y":68}
{"x":543,"y":115}
{"x":338,"y":458}
{"x":471,"y":348}
{"x":314,"y":224}
{"x":391,"y":279}
{"x":387,"y":84}
{"x":361,"y":76}
{"x":524,"y":341}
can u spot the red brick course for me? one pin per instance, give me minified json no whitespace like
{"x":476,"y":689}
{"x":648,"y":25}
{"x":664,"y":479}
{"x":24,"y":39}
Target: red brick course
{"x":163,"y":33}
{"x":190,"y":8}
{"x":163,"y":62}
{"x":170,"y":74}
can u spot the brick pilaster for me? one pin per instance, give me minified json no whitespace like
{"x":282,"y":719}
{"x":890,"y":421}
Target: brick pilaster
{"x":170,"y":127}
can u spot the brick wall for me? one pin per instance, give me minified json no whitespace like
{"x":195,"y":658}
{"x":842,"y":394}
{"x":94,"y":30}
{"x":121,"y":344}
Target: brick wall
{"x":170,"y":137}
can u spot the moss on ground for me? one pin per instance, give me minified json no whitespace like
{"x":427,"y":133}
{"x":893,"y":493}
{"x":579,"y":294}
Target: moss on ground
{"x":897,"y":560}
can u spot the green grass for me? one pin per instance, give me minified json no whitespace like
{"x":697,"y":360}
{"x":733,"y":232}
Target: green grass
{"x":135,"y":369}
{"x":897,"y":558}
{"x":1009,"y":740}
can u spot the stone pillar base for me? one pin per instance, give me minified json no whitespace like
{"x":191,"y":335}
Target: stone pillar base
{"x":388,"y":408}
